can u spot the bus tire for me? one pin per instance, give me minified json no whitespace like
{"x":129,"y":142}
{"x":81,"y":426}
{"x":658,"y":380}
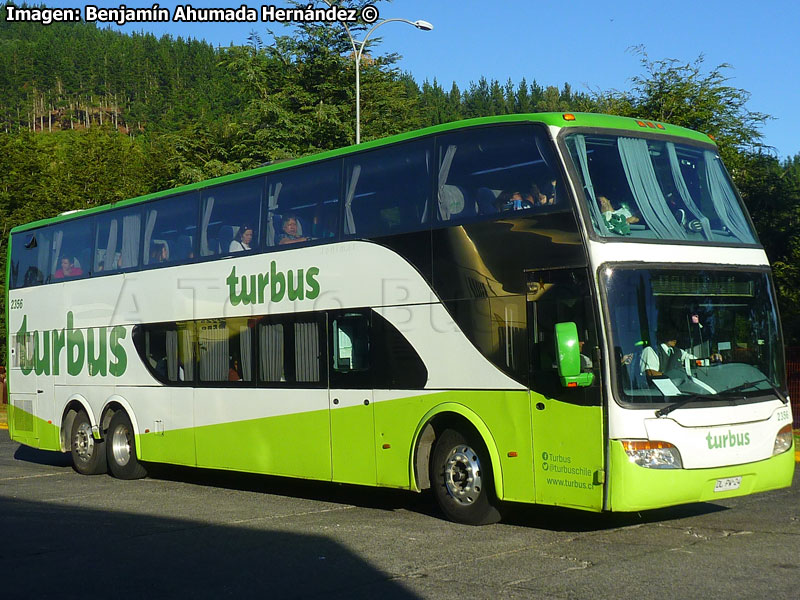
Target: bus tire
{"x":461,"y":478}
{"x":121,"y":448}
{"x":88,"y":454}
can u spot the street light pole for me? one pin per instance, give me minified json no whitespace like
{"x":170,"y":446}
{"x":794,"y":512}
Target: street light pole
{"x":358,"y":51}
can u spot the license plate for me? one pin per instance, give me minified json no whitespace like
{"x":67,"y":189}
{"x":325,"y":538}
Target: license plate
{"x":727,"y":484}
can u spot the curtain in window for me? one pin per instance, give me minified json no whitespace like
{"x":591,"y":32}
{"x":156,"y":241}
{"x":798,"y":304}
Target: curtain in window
{"x":274,"y":192}
{"x":642,"y":180}
{"x":680,"y":184}
{"x":172,"y":355}
{"x":109,"y":263}
{"x":271,"y":352}
{"x":186,"y":352}
{"x":245,"y":349}
{"x":58,"y":239}
{"x":444,"y":171}
{"x":306,"y":352}
{"x":129,"y":253}
{"x":207,"y":210}
{"x":349,"y":222}
{"x":214,"y":356}
{"x":724,"y":199}
{"x":580,"y":150}
{"x":152,"y":214}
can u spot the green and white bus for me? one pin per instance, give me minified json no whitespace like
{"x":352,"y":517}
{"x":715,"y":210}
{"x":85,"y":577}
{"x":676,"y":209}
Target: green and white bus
{"x":560,"y":309}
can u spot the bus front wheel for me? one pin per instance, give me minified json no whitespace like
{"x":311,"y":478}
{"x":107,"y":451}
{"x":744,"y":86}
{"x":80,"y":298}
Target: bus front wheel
{"x":462,"y":479}
{"x":121,"y":448}
{"x":88,"y":454}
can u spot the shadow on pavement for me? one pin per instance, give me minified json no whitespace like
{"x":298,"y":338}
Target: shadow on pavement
{"x":52,"y":550}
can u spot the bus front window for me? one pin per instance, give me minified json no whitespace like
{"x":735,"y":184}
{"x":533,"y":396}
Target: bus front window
{"x":635,"y":187}
{"x":683,"y":332}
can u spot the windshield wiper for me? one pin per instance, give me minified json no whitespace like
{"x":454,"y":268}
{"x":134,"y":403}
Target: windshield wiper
{"x":695,"y":397}
{"x":747,"y":384}
{"x":686,"y":400}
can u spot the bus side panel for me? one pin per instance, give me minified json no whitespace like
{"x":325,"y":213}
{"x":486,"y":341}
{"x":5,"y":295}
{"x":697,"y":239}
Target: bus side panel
{"x":506,"y":414}
{"x":568,"y":453}
{"x":635,"y":488}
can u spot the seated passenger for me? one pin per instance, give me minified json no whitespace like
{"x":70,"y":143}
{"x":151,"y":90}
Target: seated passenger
{"x":243,"y":239}
{"x":544,"y":195}
{"x":608,"y":209}
{"x":292,"y":231}
{"x":159,"y":253}
{"x":68,"y":269}
{"x":513,"y":201}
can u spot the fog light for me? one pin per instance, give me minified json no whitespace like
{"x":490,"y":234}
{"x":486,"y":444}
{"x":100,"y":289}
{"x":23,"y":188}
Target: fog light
{"x":783,"y":441}
{"x":653,"y":454}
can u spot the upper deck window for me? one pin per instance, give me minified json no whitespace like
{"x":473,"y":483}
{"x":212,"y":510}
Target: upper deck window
{"x":487,"y":171}
{"x":657,"y":189}
{"x":30,"y":258}
{"x":170,"y":230}
{"x":230,"y":217}
{"x":387,"y":190}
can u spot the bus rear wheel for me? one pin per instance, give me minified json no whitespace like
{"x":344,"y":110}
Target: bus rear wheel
{"x":462,"y":479}
{"x":121,"y":449}
{"x":88,"y":454}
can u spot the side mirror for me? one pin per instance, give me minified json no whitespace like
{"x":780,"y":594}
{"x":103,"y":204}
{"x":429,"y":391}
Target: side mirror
{"x":569,"y":357}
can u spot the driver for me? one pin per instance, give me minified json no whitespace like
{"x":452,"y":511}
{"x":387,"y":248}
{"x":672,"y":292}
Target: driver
{"x":667,"y":357}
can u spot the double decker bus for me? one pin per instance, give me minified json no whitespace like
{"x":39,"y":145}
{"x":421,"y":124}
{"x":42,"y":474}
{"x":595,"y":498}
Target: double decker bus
{"x":560,"y":309}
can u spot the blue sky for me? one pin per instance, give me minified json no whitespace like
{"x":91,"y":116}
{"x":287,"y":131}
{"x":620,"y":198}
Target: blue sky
{"x":584,"y":43}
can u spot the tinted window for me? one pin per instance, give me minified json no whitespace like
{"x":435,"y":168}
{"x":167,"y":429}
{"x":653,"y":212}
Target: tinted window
{"x":486,"y":171}
{"x":230,"y":217}
{"x":303,"y":204}
{"x":170,"y":230}
{"x":117,"y":240}
{"x":657,"y":189}
{"x":224,"y":350}
{"x":30,"y":258}
{"x":388,"y":190}
{"x":72,"y":250}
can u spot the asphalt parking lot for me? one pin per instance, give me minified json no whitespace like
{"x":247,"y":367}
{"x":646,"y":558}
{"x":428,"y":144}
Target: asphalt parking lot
{"x":205,"y":534}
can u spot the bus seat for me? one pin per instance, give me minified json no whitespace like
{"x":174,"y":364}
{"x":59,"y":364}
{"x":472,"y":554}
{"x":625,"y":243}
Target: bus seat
{"x":183,"y":248}
{"x":226,"y":234}
{"x":457,"y":201}
{"x":486,"y":199}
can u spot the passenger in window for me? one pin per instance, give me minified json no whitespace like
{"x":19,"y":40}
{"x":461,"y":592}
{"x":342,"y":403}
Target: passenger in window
{"x":544,"y":194}
{"x":513,"y":200}
{"x":243,"y":239}
{"x":68,"y":269}
{"x":233,"y":371}
{"x":158,"y":253}
{"x":292,"y":231}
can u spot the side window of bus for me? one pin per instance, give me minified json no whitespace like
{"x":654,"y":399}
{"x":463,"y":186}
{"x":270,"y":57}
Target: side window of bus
{"x":396,"y":364}
{"x":72,"y":250}
{"x":30,"y":258}
{"x":303,"y":204}
{"x":486,"y":171}
{"x":167,"y":350}
{"x":290,"y":351}
{"x":170,"y":230}
{"x":350,"y":349}
{"x":225,"y":350}
{"x":117,"y":241}
{"x":560,"y":296}
{"x":388,"y":190}
{"x":231,"y":217}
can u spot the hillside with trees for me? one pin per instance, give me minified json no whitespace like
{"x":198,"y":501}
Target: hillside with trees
{"x":90,"y":116}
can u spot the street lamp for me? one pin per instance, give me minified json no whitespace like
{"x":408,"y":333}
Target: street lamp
{"x":358,"y":51}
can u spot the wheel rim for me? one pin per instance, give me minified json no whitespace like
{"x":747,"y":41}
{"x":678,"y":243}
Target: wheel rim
{"x":83,"y":442}
{"x":462,"y":475}
{"x":121,"y":445}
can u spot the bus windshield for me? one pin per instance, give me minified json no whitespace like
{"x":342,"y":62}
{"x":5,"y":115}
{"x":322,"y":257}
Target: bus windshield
{"x":684,"y":332}
{"x":657,"y":189}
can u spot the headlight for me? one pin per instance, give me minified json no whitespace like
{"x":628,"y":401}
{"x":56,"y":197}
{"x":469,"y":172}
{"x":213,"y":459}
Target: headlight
{"x":653,"y":455}
{"x":783,"y":441}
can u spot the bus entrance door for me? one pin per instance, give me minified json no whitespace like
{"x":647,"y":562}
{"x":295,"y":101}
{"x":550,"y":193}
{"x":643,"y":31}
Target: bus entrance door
{"x":567,"y":421}
{"x":351,"y":398}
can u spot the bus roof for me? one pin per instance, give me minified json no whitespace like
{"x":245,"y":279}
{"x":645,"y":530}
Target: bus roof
{"x":564,"y":120}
